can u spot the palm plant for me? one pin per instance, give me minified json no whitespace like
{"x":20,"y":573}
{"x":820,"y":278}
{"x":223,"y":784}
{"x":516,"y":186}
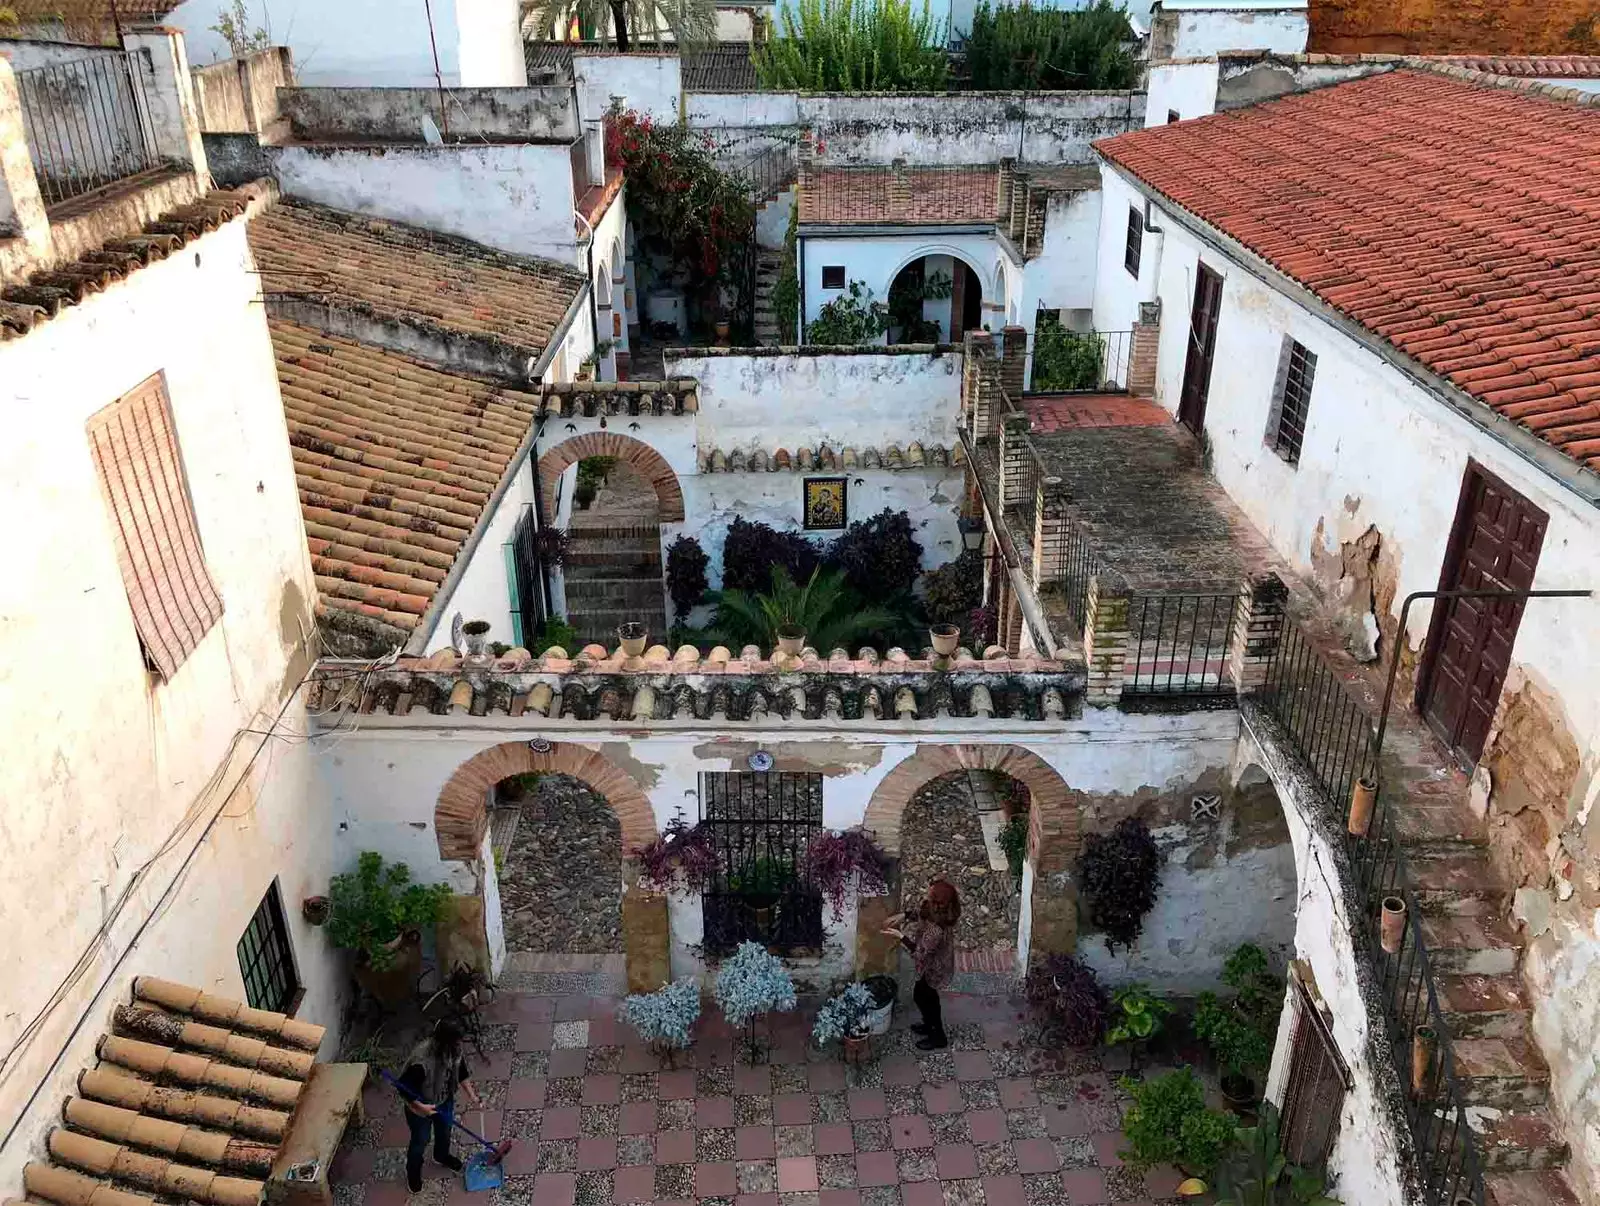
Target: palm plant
{"x":689,"y":22}
{"x":824,"y":607}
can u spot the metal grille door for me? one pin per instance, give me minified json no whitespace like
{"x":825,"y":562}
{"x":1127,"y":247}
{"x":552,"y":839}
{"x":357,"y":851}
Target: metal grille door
{"x":760,"y":824}
{"x":1314,"y":1095}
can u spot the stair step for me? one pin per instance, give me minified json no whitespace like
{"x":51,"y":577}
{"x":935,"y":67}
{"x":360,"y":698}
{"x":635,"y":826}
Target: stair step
{"x":1456,"y":880}
{"x":1518,"y":1141}
{"x":1504,"y":1073}
{"x":1528,"y":1189}
{"x":1470,"y":945}
{"x":1483,"y":1006}
{"x":616,"y":592}
{"x":1435,"y":817}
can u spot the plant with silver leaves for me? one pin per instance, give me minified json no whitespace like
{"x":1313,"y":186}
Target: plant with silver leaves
{"x":844,"y":1016}
{"x":753,"y":982}
{"x":666,"y":1017}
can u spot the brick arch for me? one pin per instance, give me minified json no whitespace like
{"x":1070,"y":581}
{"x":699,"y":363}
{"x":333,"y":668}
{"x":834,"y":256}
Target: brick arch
{"x":553,"y":463}
{"x":461,"y":817}
{"x":1052,"y":821}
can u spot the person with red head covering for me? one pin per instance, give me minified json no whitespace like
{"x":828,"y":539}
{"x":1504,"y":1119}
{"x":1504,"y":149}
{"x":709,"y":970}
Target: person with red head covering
{"x":932,"y":942}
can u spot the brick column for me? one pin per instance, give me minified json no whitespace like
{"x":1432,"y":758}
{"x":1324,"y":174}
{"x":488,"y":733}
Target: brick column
{"x":1105,"y":639}
{"x":981,"y":385}
{"x":1014,"y":361}
{"x":1004,"y":180}
{"x":1257,"y":628}
{"x":1011,"y":622}
{"x":1051,"y":526}
{"x":1014,"y":454}
{"x":1145,"y":342}
{"x":1016,"y":219}
{"x":1033,"y":222}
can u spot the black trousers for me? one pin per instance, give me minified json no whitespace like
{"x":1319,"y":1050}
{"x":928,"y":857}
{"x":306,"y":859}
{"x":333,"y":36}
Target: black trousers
{"x":436,"y":1124}
{"x":926,"y":997}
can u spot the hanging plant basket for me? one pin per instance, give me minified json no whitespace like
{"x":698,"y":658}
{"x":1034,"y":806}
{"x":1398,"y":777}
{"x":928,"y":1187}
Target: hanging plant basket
{"x":316,"y":910}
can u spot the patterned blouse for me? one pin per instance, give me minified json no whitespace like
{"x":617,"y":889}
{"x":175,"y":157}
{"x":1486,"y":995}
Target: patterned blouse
{"x":933,"y":950}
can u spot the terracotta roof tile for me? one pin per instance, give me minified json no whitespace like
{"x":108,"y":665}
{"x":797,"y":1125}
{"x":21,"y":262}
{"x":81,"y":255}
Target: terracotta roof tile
{"x":933,"y":195}
{"x":1529,"y":66}
{"x":1459,"y":221}
{"x":416,"y":275}
{"x":395,"y":463}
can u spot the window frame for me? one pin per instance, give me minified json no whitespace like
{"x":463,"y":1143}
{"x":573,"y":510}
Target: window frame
{"x":1173,"y":117}
{"x":1133,"y":245}
{"x":840,"y":274}
{"x":272,"y":940}
{"x":1291,"y":400}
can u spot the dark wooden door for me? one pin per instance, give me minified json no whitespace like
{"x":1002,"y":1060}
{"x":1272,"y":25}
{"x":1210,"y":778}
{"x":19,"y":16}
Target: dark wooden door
{"x":1494,"y":546}
{"x":1202,"y":348}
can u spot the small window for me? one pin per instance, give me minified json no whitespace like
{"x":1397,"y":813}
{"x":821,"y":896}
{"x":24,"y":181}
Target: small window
{"x":135,"y":447}
{"x":265,"y":960}
{"x":833,"y":276}
{"x":1291,"y":400}
{"x":1130,"y":254}
{"x":1172,"y":117}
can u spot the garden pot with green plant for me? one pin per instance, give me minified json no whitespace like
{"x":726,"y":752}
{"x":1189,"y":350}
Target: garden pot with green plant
{"x":377,"y":912}
{"x":836,"y":862}
{"x":665,"y":1018}
{"x":1170,"y":1123}
{"x":1137,"y":1016}
{"x":1240,"y":1031}
{"x":1255,"y":1172}
{"x":844,"y":1020}
{"x":759,"y":884}
{"x":752,"y":983}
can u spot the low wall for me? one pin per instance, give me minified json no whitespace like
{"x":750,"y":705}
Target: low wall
{"x":646,"y":83}
{"x":241,"y":95}
{"x":543,"y":114}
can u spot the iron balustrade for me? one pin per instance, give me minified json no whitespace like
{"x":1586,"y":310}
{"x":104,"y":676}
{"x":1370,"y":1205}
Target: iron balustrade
{"x":1089,"y":362}
{"x":1178,"y":644}
{"x":1031,"y":472}
{"x":1069,"y":550}
{"x":767,"y":172}
{"x":87,"y":122}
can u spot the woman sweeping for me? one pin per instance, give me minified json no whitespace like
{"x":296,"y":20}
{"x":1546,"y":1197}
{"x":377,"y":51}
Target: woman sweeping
{"x":931,"y":939}
{"x":433,"y":1072}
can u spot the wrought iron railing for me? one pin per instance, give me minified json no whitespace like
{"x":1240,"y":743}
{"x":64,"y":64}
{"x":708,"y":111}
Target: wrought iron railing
{"x":1334,"y":737}
{"x":1062,"y":361}
{"x":1179,"y":644}
{"x":767,"y":171}
{"x":1071,"y":554}
{"x":760,"y":824}
{"x":87,"y":122}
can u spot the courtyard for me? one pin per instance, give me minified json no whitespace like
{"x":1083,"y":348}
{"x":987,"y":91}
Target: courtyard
{"x":599,"y":1119}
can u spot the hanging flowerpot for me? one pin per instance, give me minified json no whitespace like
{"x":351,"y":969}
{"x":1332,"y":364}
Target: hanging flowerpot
{"x":1392,"y":924}
{"x":633,"y":636}
{"x":1362,"y":797}
{"x":1424,"y":1042}
{"x":791,"y":639}
{"x":316,"y":910}
{"x":944,"y":638}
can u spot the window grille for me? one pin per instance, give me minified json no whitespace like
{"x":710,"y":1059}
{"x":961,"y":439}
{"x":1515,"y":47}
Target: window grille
{"x":1313,"y":1095}
{"x":135,"y":449}
{"x":526,"y":579}
{"x":760,"y":825}
{"x":265,"y":958}
{"x":1291,"y":401}
{"x":1135,"y":245}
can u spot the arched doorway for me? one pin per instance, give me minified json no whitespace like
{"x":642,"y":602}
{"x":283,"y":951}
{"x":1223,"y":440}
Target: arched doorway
{"x":652,"y":466}
{"x":558,"y":861}
{"x":935,"y":299}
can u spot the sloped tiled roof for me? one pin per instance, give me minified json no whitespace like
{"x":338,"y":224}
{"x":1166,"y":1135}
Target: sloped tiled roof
{"x":937,"y":195}
{"x":395,"y":462}
{"x":416,"y":275}
{"x":1529,"y":66}
{"x":192,"y":1099}
{"x":1458,"y":221}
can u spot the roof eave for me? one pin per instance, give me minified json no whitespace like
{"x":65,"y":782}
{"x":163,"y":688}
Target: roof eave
{"x":1545,"y":456}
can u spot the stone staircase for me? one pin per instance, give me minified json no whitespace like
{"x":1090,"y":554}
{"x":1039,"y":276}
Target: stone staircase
{"x":769,"y":265}
{"x":613,"y":576}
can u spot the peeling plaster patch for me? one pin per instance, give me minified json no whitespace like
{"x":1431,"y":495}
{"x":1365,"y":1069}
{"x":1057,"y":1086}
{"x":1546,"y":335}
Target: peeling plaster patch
{"x":646,"y":775}
{"x":1534,"y":763}
{"x":832,"y":759}
{"x":1360,"y":579}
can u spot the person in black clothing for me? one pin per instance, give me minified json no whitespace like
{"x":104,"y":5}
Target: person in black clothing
{"x":433,"y":1072}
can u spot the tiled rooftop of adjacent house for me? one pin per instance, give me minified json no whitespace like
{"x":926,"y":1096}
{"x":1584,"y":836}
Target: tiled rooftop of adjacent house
{"x":933,"y":195}
{"x":395,"y":462}
{"x":1529,"y":66}
{"x":1458,"y":221}
{"x":419,"y":276}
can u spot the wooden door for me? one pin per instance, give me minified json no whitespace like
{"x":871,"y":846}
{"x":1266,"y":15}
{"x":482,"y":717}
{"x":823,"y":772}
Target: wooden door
{"x":1493,"y":546}
{"x":1202,"y":348}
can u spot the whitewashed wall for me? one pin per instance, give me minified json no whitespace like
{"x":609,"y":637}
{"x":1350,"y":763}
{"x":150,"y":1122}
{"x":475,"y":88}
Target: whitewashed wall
{"x":1062,"y":275}
{"x":517,"y":197}
{"x":1117,"y":292}
{"x":484,"y":589}
{"x":1189,"y":88}
{"x":102,"y":763}
{"x":646,"y":83}
{"x":611,"y":264}
{"x":1201,"y":29}
{"x":489,"y":44}
{"x":877,"y":259}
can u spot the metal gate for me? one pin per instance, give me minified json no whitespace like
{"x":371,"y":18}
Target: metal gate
{"x":525,"y":572}
{"x":1313,"y":1096}
{"x":760,"y":824}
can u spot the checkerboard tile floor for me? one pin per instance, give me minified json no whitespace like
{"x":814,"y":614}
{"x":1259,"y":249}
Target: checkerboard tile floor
{"x":599,"y":1121}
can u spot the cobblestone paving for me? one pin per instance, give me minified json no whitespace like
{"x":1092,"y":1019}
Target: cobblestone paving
{"x":994,"y":1121}
{"x":561,"y":880}
{"x":940,"y":837}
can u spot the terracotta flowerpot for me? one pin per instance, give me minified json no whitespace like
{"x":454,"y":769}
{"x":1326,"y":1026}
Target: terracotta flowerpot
{"x":1424,"y":1042}
{"x":791,"y":639}
{"x":1362,"y":797}
{"x":856,"y":1048}
{"x":316,"y":910}
{"x":724,"y":333}
{"x":633,"y":636}
{"x":944,"y":638}
{"x":395,"y":984}
{"x":1392,"y":924}
{"x":1239,"y":1094}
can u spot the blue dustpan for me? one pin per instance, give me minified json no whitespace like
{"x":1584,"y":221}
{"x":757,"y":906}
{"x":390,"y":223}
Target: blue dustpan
{"x":483,"y":1171}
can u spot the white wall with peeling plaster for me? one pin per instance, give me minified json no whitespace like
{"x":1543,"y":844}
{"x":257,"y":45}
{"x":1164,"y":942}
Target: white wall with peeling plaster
{"x":104,"y":762}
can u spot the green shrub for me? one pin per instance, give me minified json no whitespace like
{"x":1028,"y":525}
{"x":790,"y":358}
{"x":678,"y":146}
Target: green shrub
{"x":786,"y":289}
{"x":555,"y":632}
{"x":1169,"y":1123}
{"x":855,"y":46}
{"x":954,"y":589}
{"x":851,"y":318}
{"x":373,"y":905}
{"x":1241,"y":1031}
{"x":1013,"y":842}
{"x":1066,"y":360}
{"x":686,"y":574}
{"x":1019,"y":46}
{"x":1136,"y":1013}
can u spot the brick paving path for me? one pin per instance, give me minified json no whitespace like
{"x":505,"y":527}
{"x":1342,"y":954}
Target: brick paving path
{"x":598,"y":1121}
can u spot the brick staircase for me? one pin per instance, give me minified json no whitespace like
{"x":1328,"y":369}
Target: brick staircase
{"x":613,"y":576}
{"x":769,"y":266}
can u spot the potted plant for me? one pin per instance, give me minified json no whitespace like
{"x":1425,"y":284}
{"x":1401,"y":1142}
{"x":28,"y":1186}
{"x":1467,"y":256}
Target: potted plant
{"x":843,"y":1019}
{"x":551,"y":544}
{"x":476,"y":633}
{"x":1068,"y":1001}
{"x":1119,"y":873}
{"x":316,"y":910}
{"x":1013,"y":842}
{"x":791,"y":639}
{"x":1169,"y":1123}
{"x":377,"y":912}
{"x":752,"y":982}
{"x":1240,"y":1031}
{"x":633,"y":635}
{"x":759,"y":884}
{"x":1136,"y":1018}
{"x":665,"y":1018}
{"x":682,"y":857}
{"x":943,"y":638}
{"x":833,"y":861}
{"x":1254,"y":1171}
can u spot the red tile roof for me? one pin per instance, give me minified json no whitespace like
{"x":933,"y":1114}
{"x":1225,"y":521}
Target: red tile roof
{"x":934,"y":195}
{"x":1530,"y":66}
{"x":1458,"y":221}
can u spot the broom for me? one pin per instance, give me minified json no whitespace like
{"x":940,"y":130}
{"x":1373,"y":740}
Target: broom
{"x":483,"y":1167}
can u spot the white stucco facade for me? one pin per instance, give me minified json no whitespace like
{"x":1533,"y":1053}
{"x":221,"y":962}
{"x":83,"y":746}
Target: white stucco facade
{"x":648,"y":84}
{"x":146,"y":818}
{"x":1188,"y":89}
{"x":1195,"y":28}
{"x":1062,"y":275}
{"x":876,"y":257}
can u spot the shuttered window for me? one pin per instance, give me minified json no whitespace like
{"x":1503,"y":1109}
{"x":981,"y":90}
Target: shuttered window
{"x":1134,"y":247}
{"x":1313,"y":1093}
{"x":174,"y":600}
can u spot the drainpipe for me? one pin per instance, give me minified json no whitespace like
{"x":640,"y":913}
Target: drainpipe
{"x":800,"y":334}
{"x":594,"y":299}
{"x":1153,"y":290}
